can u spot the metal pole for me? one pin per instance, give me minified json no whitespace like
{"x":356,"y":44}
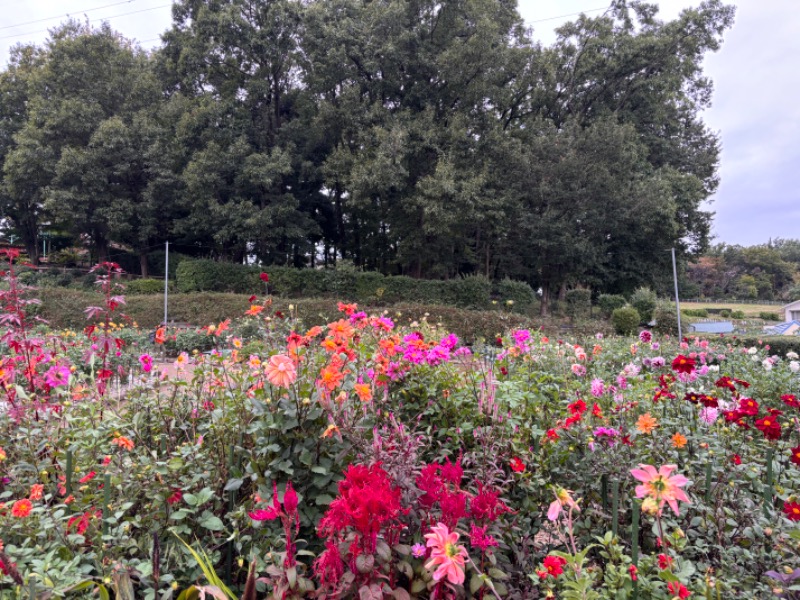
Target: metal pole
{"x":677,"y":300}
{"x":166,"y":283}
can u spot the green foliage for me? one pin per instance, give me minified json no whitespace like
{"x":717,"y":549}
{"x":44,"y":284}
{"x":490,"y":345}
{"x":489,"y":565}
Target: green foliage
{"x":695,"y":312}
{"x":465,"y":292}
{"x":579,"y":303}
{"x":608,"y":303}
{"x":726,"y":313}
{"x":146,"y":286}
{"x":737,"y":314}
{"x":644,"y":301}
{"x":625,"y":320}
{"x":778,"y":344}
{"x":519,"y":292}
{"x":769,"y":316}
{"x":666,"y":318}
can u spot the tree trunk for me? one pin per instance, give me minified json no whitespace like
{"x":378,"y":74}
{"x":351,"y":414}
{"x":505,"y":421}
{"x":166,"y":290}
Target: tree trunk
{"x":544,"y":307}
{"x":32,"y":248}
{"x":143,"y":263}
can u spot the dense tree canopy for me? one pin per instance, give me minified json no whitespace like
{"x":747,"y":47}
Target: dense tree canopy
{"x":429,"y":138}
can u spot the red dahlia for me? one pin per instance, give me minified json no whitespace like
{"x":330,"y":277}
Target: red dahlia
{"x":683,"y":364}
{"x":792,"y":510}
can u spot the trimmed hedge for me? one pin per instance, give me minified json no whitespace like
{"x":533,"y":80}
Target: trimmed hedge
{"x":608,"y":303}
{"x":625,"y":320}
{"x":146,"y":286}
{"x":64,"y":308}
{"x":474,"y":292}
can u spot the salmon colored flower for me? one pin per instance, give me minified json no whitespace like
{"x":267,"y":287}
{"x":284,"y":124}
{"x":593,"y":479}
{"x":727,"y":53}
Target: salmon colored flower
{"x":37,"y":491}
{"x":447,"y":556}
{"x":160,"y":336}
{"x":646,"y":423}
{"x":280,"y":371}
{"x":3,"y":455}
{"x":330,"y":377}
{"x":661,"y":485}
{"x":22,"y":508}
{"x":363,"y":391}
{"x":123,"y":442}
{"x":679,"y":440}
{"x":254,"y":310}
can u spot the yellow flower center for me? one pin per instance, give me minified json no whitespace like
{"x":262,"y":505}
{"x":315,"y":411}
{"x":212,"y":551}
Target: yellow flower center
{"x":451,"y":550}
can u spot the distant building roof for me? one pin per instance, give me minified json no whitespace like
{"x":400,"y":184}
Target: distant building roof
{"x":791,"y":305}
{"x":713,"y":327}
{"x":788,"y":328}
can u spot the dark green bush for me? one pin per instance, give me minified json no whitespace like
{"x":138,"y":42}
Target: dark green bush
{"x":578,"y":304}
{"x":726,"y":313}
{"x":625,"y":320}
{"x":666,"y":319}
{"x":146,"y":286}
{"x":519,"y":292}
{"x":608,"y":303}
{"x":737,"y":314}
{"x":644,"y":301}
{"x":695,"y":312}
{"x":769,"y":316}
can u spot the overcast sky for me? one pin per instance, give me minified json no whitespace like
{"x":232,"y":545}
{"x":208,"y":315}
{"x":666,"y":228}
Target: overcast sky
{"x":755,"y":107}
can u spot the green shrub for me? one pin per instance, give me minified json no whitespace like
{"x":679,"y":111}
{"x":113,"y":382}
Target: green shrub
{"x":146,"y":286}
{"x":666,"y":319}
{"x":608,"y":303}
{"x":578,"y":304}
{"x":644,"y":301}
{"x":769,"y":316}
{"x":695,"y":312}
{"x":737,"y":314}
{"x":625,"y":320}
{"x":519,"y":292}
{"x":726,"y":313}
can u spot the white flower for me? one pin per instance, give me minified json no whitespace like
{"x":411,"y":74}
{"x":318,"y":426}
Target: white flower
{"x":752,"y":350}
{"x":713,"y":368}
{"x":792,"y":355}
{"x":767,"y":364}
{"x":794,"y":366}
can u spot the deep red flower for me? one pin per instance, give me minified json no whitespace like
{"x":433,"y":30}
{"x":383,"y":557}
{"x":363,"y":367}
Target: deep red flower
{"x":486,"y":505}
{"x":517,"y":465}
{"x":264,"y":277}
{"x":552,"y":435}
{"x":452,"y":472}
{"x":678,"y":590}
{"x":790,"y":400}
{"x":709,"y":401}
{"x":175,"y":497}
{"x":478,"y":538}
{"x":577,"y":408}
{"x":692,"y":397}
{"x":742,"y":383}
{"x":770,"y":427}
{"x":726,"y":383}
{"x":251,"y":299}
{"x":664,"y":562}
{"x":633,"y":572}
{"x":736,"y":459}
{"x":554,"y":565}
{"x":504,"y":371}
{"x":795,"y":455}
{"x":683,"y":364}
{"x":792,"y":510}
{"x":748,"y":406}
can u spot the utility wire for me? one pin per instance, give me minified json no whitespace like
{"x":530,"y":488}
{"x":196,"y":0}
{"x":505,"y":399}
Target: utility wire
{"x":135,"y":12}
{"x":88,"y":10}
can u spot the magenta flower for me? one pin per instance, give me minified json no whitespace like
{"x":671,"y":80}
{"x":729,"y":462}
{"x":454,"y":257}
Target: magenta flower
{"x":147,"y":362}
{"x":57,"y":375}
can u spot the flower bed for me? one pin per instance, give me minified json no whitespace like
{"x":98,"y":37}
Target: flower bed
{"x":360,"y":459}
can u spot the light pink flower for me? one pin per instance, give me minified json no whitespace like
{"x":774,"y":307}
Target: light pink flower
{"x":661,"y":485}
{"x":447,"y":556}
{"x":280,"y":371}
{"x":563,"y":498}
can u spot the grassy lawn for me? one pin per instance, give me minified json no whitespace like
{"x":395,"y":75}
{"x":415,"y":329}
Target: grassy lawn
{"x":750,"y":310}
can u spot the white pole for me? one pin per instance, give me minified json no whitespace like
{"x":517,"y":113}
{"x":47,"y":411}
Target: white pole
{"x":677,"y":301}
{"x":166,"y":283}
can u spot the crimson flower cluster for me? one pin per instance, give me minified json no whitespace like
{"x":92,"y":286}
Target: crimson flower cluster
{"x":368,"y":505}
{"x":287,"y":513}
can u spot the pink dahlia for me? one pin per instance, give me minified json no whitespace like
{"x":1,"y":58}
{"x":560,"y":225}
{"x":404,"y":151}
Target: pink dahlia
{"x":447,"y":556}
